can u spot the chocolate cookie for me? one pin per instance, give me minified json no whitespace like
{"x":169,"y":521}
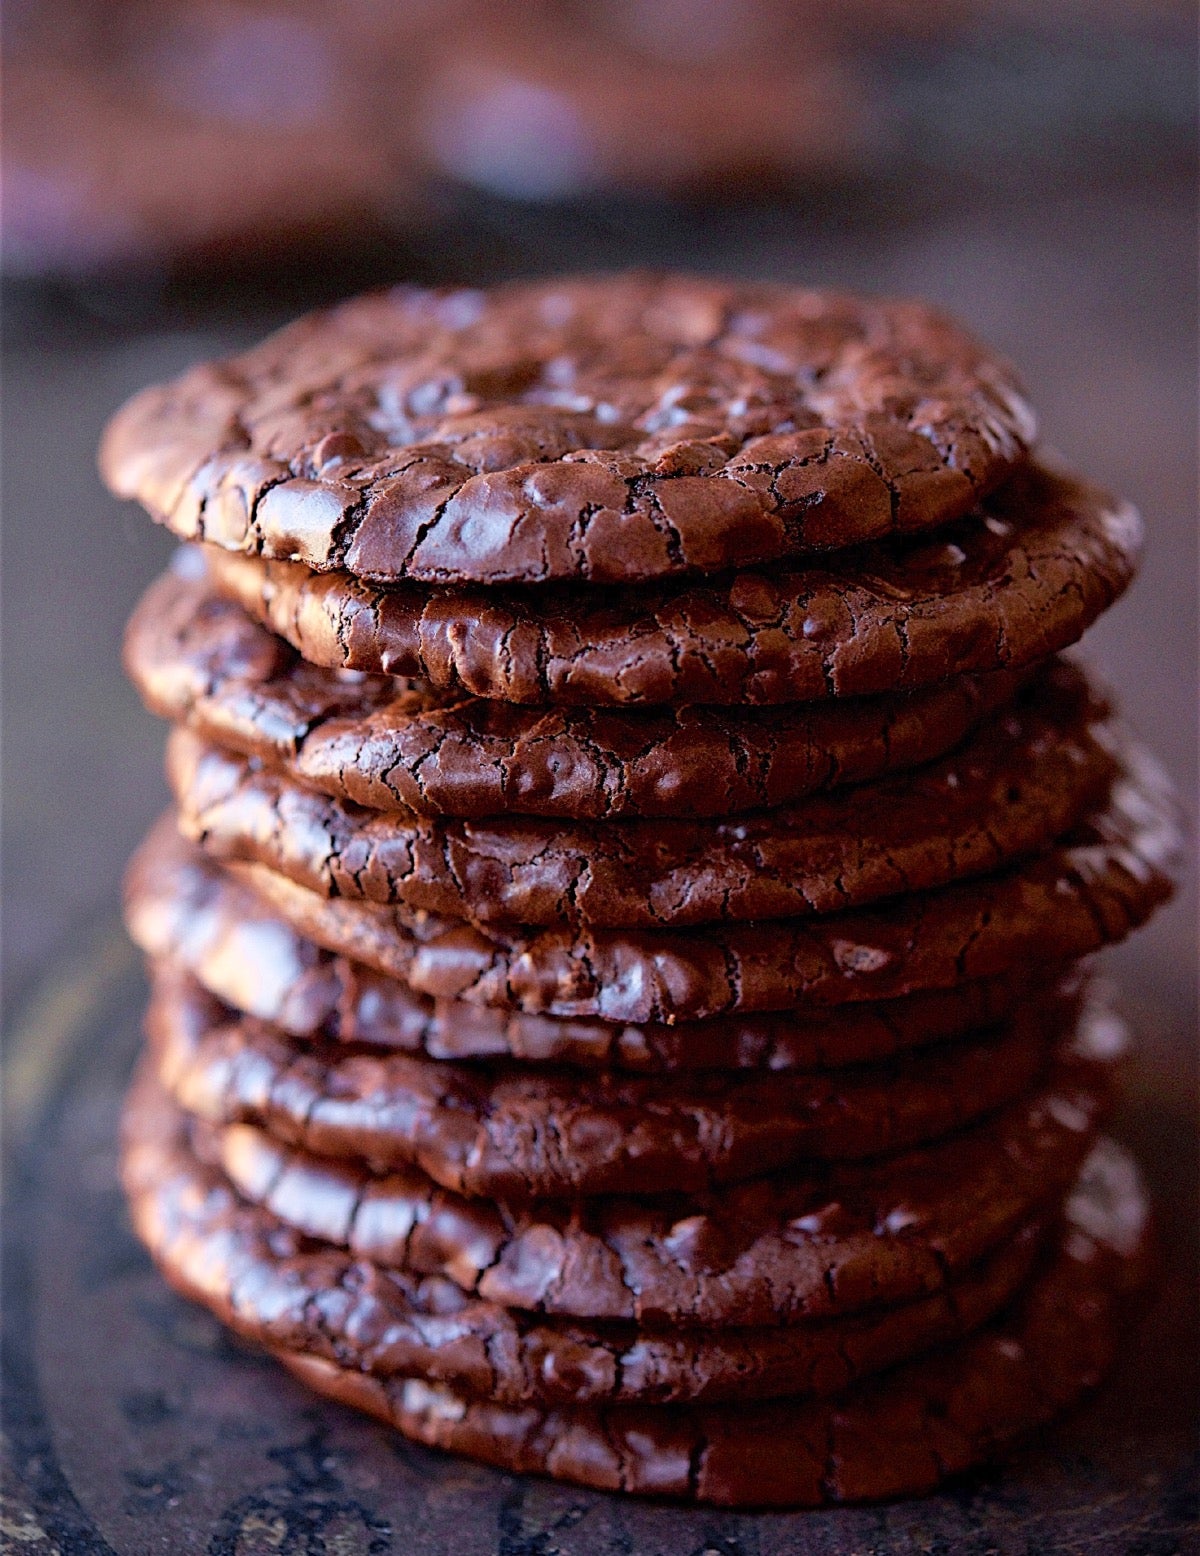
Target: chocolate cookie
{"x":897,"y":1435}
{"x":616,"y":429}
{"x":1003,"y":588}
{"x":783,"y":1249}
{"x":182,"y":910}
{"x":1090,"y":890}
{"x":199,"y":659}
{"x":1026,"y":777}
{"x":279,"y":1288}
{"x":506,"y":1132}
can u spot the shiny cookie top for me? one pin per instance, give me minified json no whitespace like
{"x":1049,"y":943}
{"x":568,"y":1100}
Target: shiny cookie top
{"x":616,"y":429}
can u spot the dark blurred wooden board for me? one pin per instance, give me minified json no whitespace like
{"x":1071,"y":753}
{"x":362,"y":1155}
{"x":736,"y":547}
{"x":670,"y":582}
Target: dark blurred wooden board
{"x":136,"y":1426}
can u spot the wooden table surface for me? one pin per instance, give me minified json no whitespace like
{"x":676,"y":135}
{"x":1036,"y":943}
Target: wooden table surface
{"x":133,"y":1426}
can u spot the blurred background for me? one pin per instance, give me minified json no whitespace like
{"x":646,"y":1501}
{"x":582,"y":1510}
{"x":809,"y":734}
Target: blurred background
{"x":177,"y":178}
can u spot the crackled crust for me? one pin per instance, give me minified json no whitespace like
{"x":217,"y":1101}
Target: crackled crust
{"x":517,"y":1134}
{"x":615,"y":429}
{"x":183,"y":911}
{"x":1023,"y":779}
{"x":1091,"y":890}
{"x":787,"y":1248}
{"x":280,"y":1288}
{"x":199,"y":659}
{"x":898,"y":1435}
{"x":1017,"y":581}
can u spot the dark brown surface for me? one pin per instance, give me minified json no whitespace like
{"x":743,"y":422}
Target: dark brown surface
{"x":1097,"y":884}
{"x":177,"y":1434}
{"x":1024,"y":778}
{"x":272,"y":1280}
{"x":243,"y":952}
{"x":1013,"y":582}
{"x":462,"y":1374}
{"x":1091,"y":290}
{"x":904,"y":1433}
{"x":1103,"y":330}
{"x":507,"y":1132}
{"x":618,"y":429}
{"x":787,"y":1248}
{"x":199,"y":660}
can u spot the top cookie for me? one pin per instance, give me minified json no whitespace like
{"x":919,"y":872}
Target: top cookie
{"x":614,"y":429}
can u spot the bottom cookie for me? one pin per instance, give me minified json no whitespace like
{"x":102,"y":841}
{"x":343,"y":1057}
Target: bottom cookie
{"x":901,"y":1434}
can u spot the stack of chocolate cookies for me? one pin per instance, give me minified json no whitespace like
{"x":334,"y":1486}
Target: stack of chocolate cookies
{"x":616,"y":952}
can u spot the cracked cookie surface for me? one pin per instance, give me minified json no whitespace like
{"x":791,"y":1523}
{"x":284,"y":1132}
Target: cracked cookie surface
{"x":1024,"y":778}
{"x":365,"y":1333}
{"x":517,"y":1134}
{"x":1008,"y":585}
{"x":787,"y":1248}
{"x":614,"y":429}
{"x":184,"y":912}
{"x":1090,"y":890}
{"x":199,"y":659}
{"x":898,"y":1435}
{"x":278,"y":1287}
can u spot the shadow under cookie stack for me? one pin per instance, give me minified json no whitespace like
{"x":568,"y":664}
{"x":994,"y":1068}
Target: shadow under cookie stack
{"x":617,"y":1006}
